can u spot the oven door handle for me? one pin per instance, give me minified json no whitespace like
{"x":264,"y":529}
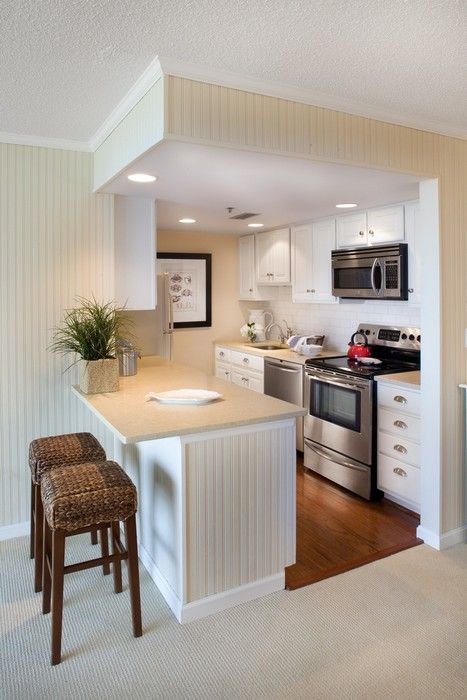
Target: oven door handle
{"x":322,"y":452}
{"x":342,"y":385}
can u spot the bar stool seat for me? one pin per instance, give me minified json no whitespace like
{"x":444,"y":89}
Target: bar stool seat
{"x":49,"y":453}
{"x":76,"y":498}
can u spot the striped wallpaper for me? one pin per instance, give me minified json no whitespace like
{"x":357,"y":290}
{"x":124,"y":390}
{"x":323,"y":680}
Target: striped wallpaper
{"x":56,"y":242}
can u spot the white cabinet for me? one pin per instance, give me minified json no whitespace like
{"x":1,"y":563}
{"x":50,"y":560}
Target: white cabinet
{"x":373,"y":227}
{"x":412,"y":237}
{"x":399,"y":443}
{"x":241,"y":368}
{"x":135,"y":252}
{"x":273,"y":257}
{"x":247,"y":286}
{"x":311,"y":261}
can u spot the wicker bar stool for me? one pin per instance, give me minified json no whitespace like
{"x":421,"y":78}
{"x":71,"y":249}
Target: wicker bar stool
{"x":49,"y":453}
{"x":76,"y":499}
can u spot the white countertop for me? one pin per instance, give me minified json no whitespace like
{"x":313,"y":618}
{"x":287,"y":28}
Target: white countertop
{"x":403,"y":378}
{"x":133,"y":419}
{"x":282,"y":354}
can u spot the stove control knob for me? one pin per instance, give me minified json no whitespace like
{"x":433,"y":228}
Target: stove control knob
{"x":367,"y":332}
{"x":411,"y":336}
{"x":419,"y":337}
{"x":404,"y":336}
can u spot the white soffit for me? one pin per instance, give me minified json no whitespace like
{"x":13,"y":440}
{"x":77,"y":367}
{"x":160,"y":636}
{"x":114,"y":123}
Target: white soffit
{"x":200,"y":182}
{"x":65,"y":66}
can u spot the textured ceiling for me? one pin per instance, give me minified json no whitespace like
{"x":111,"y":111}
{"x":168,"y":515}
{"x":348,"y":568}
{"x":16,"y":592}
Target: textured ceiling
{"x":65,"y":64}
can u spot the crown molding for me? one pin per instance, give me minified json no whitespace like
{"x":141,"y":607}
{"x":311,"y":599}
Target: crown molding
{"x":44,"y":142}
{"x":146,"y":80}
{"x":204,"y":74}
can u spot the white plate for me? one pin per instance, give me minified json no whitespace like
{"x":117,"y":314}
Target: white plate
{"x":369,"y":360}
{"x":185,"y":396}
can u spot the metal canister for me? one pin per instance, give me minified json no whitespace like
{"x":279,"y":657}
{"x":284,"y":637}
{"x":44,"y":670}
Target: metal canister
{"x":127,"y":362}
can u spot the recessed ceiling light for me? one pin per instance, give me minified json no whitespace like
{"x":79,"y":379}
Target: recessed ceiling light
{"x":187,"y":221}
{"x":142,"y":177}
{"x":255,"y":225}
{"x":345,"y":206}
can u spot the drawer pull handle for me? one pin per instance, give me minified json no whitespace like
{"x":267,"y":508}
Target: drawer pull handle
{"x":244,"y":379}
{"x":399,"y":471}
{"x":400,"y":424}
{"x":401,"y":449}
{"x":400,"y":399}
{"x":246,"y":360}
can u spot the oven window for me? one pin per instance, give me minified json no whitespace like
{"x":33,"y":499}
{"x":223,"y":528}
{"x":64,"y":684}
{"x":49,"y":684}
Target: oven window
{"x":337,"y":405}
{"x":352,"y":277}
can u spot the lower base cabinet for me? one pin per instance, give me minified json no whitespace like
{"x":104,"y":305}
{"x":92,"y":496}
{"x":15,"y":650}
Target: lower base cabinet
{"x":399,"y":443}
{"x":241,"y":368}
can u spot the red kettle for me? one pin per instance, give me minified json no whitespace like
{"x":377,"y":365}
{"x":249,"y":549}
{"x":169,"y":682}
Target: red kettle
{"x":357,"y":350}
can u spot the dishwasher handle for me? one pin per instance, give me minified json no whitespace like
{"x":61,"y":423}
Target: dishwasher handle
{"x":284,"y":366}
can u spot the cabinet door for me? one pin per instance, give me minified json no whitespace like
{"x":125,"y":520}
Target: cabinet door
{"x":351,"y":230}
{"x":263,"y":258}
{"x":248,"y":380}
{"x":247,"y":272}
{"x":386,"y":225}
{"x":302,"y":267}
{"x":280,"y":256}
{"x":412,"y":234}
{"x":323,"y":241}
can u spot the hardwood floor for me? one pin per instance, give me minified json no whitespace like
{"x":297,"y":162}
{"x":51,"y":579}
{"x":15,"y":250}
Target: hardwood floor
{"x":338,"y":531}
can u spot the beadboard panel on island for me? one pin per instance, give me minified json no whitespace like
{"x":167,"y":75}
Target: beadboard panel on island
{"x":56,"y":242}
{"x":216,"y":115}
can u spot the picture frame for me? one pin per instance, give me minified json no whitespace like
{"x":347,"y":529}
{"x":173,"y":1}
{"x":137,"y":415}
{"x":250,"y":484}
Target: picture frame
{"x":189,"y":287}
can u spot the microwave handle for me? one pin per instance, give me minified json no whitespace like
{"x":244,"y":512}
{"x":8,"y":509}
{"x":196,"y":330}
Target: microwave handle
{"x":372,"y":277}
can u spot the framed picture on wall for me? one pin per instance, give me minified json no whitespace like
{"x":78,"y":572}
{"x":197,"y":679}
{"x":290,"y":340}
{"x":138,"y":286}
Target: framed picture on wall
{"x":189,"y":286}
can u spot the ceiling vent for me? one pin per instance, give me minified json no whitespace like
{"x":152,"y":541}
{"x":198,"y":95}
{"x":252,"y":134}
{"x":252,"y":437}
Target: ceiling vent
{"x":242,"y":217}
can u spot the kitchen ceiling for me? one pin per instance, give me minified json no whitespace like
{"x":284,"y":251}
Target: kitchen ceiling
{"x":65,"y":66}
{"x":202,"y":181}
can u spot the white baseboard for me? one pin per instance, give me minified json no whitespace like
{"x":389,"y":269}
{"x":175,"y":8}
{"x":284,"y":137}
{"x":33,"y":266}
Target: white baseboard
{"x":444,"y":541}
{"x":189,"y":612}
{"x":8,"y":532}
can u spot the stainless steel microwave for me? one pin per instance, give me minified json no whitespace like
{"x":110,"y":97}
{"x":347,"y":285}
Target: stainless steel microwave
{"x":377,"y":272}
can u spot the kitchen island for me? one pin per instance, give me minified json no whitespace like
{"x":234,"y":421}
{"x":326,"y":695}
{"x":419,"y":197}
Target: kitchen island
{"x":216,"y":485}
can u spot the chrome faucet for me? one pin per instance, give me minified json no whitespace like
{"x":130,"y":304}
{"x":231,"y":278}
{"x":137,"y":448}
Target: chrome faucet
{"x":282,"y":336}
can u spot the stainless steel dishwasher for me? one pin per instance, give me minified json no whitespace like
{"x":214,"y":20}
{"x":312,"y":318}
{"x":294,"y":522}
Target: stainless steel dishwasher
{"x":284,"y":380}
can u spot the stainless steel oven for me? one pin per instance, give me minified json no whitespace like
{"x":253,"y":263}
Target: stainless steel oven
{"x":341,"y":397}
{"x":339,"y":428}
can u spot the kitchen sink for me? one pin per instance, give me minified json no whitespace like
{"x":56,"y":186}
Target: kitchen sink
{"x":269,"y":346}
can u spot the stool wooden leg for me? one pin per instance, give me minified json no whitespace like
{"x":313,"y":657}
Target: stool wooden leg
{"x":31,"y":531}
{"x":94,"y":535}
{"x":58,"y":563}
{"x":104,"y":549}
{"x":117,"y":565}
{"x":133,"y":574}
{"x":47,"y":559}
{"x":38,"y":535}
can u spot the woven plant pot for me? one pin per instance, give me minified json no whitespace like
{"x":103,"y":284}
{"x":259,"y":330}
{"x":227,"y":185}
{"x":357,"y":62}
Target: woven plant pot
{"x":99,"y":376}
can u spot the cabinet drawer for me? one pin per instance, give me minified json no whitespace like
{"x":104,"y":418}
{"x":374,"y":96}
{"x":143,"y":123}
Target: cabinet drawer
{"x":223,"y":371}
{"x":223,"y":354}
{"x":398,"y":478}
{"x":399,"y":424}
{"x":397,"y":398}
{"x":244,"y":359}
{"x":399,"y":448}
{"x":248,"y":380}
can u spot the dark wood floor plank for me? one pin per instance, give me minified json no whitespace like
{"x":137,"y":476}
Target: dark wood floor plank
{"x":338,"y":531}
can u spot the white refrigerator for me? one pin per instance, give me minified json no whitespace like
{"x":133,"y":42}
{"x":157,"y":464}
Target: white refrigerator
{"x":152,"y":331}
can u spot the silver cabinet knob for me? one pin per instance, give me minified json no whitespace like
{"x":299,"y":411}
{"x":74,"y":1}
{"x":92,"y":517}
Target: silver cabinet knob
{"x":400,"y":424}
{"x":371,"y":233}
{"x":221,"y":354}
{"x":250,"y":290}
{"x":310,"y":291}
{"x":410,"y":290}
{"x":400,"y":399}
{"x":361,"y":233}
{"x":401,"y":449}
{"x":246,"y":360}
{"x":399,"y":471}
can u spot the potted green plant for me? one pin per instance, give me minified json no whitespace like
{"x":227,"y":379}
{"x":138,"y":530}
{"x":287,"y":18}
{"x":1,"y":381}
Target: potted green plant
{"x":91,"y":331}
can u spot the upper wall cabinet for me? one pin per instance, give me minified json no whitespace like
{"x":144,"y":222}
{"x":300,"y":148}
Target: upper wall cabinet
{"x":247,"y":287}
{"x":372,"y":227}
{"x":135,"y":252}
{"x":311,"y":261}
{"x":273,"y":257}
{"x":412,"y":237}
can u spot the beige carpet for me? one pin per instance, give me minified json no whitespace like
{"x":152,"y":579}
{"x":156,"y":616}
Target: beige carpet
{"x":396,"y":628}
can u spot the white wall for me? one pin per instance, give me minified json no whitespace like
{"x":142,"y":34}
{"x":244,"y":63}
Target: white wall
{"x":338,"y":321}
{"x":56,"y":242}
